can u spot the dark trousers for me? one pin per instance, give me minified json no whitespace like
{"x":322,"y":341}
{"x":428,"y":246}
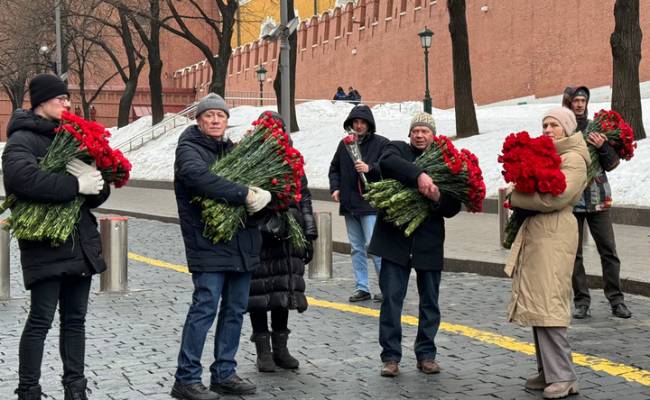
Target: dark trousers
{"x":393,"y":282}
{"x":600,"y":226}
{"x":279,"y":320}
{"x":71,"y":294}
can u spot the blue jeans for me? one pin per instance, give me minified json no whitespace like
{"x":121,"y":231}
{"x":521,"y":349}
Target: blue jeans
{"x":209,"y":287}
{"x":360,"y":229}
{"x":393,"y":281}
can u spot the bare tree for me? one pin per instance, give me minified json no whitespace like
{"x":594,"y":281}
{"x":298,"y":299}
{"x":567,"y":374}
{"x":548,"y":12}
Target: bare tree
{"x":626,"y":52}
{"x":151,"y":40}
{"x":118,"y":42}
{"x":22,"y":33}
{"x":293,"y":43}
{"x":221,"y":27}
{"x":466,"y":124}
{"x":85,"y":55}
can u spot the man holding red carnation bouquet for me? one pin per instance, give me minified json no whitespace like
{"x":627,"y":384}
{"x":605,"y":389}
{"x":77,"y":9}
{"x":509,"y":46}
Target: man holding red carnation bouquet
{"x":221,"y":272}
{"x":422,"y":251}
{"x":54,"y":274}
{"x":593,"y":207}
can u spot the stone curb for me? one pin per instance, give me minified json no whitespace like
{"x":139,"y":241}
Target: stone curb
{"x":451,"y":264}
{"x":637,"y":216}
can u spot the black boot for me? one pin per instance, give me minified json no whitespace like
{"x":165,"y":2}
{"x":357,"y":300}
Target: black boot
{"x":264,"y":356}
{"x":281,"y":354}
{"x":76,"y":390}
{"x":30,"y":393}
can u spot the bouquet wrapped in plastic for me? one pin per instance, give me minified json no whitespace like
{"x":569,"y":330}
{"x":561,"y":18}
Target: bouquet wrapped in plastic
{"x":75,"y":138}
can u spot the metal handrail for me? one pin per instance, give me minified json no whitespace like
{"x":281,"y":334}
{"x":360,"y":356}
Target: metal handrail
{"x":155,"y":131}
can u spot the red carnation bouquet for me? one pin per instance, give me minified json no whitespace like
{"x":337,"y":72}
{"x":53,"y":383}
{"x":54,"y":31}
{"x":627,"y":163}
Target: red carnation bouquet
{"x":457,"y":173}
{"x":618,"y":134}
{"x":265,"y":158}
{"x":532,"y":165}
{"x":75,"y":138}
{"x":351,"y":143}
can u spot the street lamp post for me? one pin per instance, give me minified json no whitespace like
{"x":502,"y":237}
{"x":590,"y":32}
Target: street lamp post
{"x":261,"y":76}
{"x":425,"y":40}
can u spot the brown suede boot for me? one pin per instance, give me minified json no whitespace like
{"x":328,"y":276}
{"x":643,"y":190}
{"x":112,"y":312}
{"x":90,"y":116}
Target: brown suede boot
{"x":536,"y":382}
{"x":428,"y":366}
{"x":390,"y":369}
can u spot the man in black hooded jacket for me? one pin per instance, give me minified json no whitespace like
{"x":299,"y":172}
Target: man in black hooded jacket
{"x":347,"y":188}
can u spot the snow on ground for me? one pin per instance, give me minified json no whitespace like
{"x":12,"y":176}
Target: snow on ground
{"x":321,"y":129}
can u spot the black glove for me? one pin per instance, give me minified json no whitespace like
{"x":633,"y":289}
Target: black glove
{"x":309,"y":252}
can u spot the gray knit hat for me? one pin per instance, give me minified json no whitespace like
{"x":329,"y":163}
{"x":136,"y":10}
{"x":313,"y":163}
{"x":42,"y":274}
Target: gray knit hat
{"x":565,"y":117}
{"x":212,"y":102}
{"x":423,"y":119}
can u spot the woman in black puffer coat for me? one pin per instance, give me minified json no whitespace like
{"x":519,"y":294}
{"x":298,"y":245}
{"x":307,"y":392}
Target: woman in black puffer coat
{"x":278,"y":285}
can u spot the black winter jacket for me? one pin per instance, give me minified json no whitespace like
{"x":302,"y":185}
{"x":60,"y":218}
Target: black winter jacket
{"x":195,"y":154}
{"x":424,"y":249}
{"x":29,"y":139}
{"x":279,"y":282}
{"x":344,"y":177}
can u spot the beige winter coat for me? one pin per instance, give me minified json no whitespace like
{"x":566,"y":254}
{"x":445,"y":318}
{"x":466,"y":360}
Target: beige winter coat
{"x":543,"y":253}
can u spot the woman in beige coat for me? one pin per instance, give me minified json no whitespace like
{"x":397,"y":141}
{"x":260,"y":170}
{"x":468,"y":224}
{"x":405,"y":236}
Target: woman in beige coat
{"x":541,"y":261}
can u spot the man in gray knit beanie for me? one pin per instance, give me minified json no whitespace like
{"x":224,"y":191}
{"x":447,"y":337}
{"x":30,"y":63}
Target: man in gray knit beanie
{"x":212,"y":102}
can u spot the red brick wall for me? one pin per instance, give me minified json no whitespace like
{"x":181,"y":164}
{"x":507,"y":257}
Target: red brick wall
{"x":518,"y":48}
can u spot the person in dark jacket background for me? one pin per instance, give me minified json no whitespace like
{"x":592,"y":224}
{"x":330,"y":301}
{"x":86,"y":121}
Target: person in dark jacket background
{"x":221,"y":272}
{"x":346,"y":187}
{"x":353,"y":96}
{"x":593,"y":207}
{"x":278,"y":285}
{"x":54,"y":275}
{"x":422,"y":251}
{"x":340,"y":94}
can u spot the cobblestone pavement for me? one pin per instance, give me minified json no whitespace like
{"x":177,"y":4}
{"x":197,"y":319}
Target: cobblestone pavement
{"x":133,"y":339}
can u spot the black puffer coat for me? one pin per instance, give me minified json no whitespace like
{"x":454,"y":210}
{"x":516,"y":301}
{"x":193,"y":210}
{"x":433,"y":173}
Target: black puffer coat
{"x":279,"y":282}
{"x":195,"y":154}
{"x":29,"y":138}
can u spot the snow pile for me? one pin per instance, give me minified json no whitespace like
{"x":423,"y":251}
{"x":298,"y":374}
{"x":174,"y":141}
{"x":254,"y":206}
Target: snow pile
{"x":321,"y":130}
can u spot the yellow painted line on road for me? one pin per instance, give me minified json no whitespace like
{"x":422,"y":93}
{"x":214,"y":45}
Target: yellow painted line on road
{"x":627,"y":372}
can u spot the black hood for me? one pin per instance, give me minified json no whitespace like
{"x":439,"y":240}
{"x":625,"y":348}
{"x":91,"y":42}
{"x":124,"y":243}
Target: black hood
{"x":363,"y":112}
{"x":570,"y":93}
{"x":26,"y":120}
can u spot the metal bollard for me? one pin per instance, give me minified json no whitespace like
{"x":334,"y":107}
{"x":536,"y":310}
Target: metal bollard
{"x":5,"y":288}
{"x":504,"y":214}
{"x":320,"y":266}
{"x":114,"y":234}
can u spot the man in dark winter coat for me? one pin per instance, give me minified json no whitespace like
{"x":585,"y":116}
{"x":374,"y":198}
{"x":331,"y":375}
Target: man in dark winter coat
{"x":54,"y":275}
{"x":353,"y":96}
{"x":221,"y":272}
{"x":594,"y":208}
{"x":347,"y":188}
{"x":278,"y":285}
{"x":422,"y":251}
